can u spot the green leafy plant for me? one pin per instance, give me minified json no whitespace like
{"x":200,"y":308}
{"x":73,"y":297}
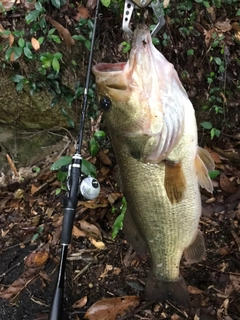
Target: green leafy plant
{"x":209,"y":126}
{"x":118,"y":223}
{"x":94,"y":142}
{"x":87,"y":168}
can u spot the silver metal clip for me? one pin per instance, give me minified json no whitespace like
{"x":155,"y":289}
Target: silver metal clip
{"x":128,"y":10}
{"x":159,"y":14}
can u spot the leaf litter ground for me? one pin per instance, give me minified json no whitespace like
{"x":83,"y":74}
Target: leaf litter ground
{"x":105,"y":274}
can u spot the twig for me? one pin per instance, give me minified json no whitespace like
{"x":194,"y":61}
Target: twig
{"x":172,"y":305}
{"x":10,"y":269}
{"x":12,"y":165}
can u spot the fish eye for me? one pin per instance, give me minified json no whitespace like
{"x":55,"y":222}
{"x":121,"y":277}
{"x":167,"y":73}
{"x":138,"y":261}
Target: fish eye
{"x":105,"y":103}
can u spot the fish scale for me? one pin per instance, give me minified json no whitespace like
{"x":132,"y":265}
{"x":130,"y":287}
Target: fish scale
{"x":149,"y":207}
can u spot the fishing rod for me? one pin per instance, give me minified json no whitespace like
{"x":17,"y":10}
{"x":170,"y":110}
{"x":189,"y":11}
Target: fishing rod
{"x":87,"y":188}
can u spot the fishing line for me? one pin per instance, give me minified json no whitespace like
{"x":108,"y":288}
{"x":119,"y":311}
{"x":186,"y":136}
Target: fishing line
{"x":88,"y":188}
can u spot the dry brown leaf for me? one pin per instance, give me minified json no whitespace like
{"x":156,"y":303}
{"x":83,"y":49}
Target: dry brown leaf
{"x":4,"y":36}
{"x":33,"y":263}
{"x":215,"y":156}
{"x":12,"y":165}
{"x":224,"y":251}
{"x":175,"y":317}
{"x":90,"y":229}
{"x":236,"y":28}
{"x":35,"y":44}
{"x":80,"y":303}
{"x":27,"y":4}
{"x":63,"y":32}
{"x":223,"y":26}
{"x":109,"y":309}
{"x":226,"y":184}
{"x":98,"y":244}
{"x":7,"y":4}
{"x":104,"y":170}
{"x":94,"y":205}
{"x":212,"y":12}
{"x":37,"y":259}
{"x":194,"y":290}
{"x":77,"y":232}
{"x":208,"y":36}
{"x":82,"y":13}
{"x":104,"y":157}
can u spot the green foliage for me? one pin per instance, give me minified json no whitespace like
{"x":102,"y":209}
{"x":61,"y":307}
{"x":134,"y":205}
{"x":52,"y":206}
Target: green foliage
{"x":94,"y":142}
{"x":118,"y":223}
{"x":213,"y":131}
{"x":61,"y":166}
{"x":214,"y":173}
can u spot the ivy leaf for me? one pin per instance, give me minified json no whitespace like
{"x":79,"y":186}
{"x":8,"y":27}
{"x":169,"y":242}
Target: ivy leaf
{"x":21,"y":42}
{"x":32,"y":16}
{"x":206,"y":125}
{"x":55,"y":64}
{"x":87,"y":44}
{"x":28,"y":53}
{"x":93,"y":147}
{"x":17,"y":78}
{"x":63,"y":161}
{"x":56,"y":38}
{"x":214,"y":173}
{"x":218,"y":61}
{"x":106,"y":3}
{"x":99,"y":134}
{"x":17,"y":52}
{"x":78,"y":37}
{"x":88,"y":168}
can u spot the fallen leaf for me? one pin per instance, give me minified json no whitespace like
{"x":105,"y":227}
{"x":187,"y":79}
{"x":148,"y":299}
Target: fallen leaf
{"x":223,"y":26}
{"x":63,"y":32}
{"x":98,"y":244}
{"x":194,"y":290}
{"x":215,"y":156}
{"x":226,"y":184}
{"x":77,"y":232}
{"x":104,"y":157}
{"x":90,"y":229}
{"x":208,"y":36}
{"x":109,"y":309}
{"x":37,"y":258}
{"x":82,"y":13}
{"x":35,"y":44}
{"x":7,"y":4}
{"x":4,"y":36}
{"x":80,"y":303}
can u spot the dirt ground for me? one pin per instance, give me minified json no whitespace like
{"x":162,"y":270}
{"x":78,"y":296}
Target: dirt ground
{"x":99,"y":267}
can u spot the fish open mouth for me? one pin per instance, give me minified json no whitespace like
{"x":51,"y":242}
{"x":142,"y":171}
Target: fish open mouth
{"x":109,"y":67}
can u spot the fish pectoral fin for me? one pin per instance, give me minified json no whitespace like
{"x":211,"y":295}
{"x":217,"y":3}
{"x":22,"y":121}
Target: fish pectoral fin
{"x":206,"y":158}
{"x":196,"y":251}
{"x":202,"y":174}
{"x":174,"y":181}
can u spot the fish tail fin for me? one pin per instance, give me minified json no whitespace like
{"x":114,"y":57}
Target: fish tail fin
{"x":159,"y":291}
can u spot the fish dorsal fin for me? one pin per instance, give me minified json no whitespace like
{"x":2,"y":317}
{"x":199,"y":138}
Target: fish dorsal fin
{"x":203,"y":163}
{"x":174,"y":181}
{"x":206,"y":158}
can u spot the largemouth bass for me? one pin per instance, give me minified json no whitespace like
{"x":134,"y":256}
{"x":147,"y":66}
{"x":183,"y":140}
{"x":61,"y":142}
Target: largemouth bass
{"x":153,"y":130}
